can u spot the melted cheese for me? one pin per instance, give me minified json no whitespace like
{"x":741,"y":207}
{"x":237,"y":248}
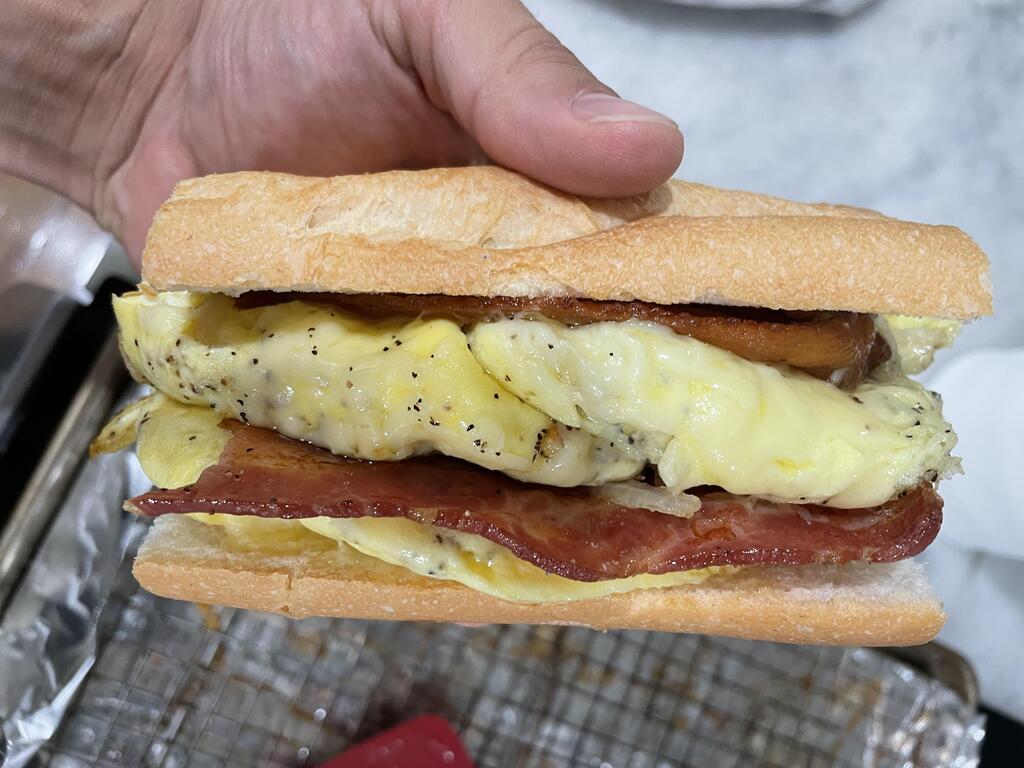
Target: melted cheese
{"x":538,"y":400}
{"x":916,"y":339}
{"x":478,"y":563}
{"x":705,"y":416}
{"x":433,"y":553}
{"x":268,"y":536}
{"x":380,"y":391}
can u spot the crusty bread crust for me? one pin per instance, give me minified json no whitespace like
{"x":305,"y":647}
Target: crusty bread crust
{"x":486,"y":231}
{"x":849,"y":605}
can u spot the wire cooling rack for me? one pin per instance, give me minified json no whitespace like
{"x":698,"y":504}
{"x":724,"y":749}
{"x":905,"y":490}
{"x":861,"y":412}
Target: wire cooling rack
{"x":175,"y":686}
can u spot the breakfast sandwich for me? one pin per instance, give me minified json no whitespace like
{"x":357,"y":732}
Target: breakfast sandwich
{"x":459,"y":395}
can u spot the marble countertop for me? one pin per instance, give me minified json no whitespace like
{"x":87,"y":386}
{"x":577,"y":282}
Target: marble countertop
{"x":912,"y":108}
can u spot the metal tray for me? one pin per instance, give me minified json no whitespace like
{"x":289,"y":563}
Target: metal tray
{"x":103,"y":673}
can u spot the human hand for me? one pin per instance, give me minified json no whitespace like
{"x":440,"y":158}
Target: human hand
{"x":113,"y":101}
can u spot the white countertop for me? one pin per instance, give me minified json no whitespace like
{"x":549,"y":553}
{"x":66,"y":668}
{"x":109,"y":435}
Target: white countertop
{"x":913,"y":108}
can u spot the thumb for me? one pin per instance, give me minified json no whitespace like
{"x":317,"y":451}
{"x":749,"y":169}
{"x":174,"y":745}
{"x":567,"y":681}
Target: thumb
{"x":531,"y":105}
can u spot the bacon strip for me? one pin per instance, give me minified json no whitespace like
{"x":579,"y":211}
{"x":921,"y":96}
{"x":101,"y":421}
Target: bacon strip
{"x":839,"y":346}
{"x":569,"y":532}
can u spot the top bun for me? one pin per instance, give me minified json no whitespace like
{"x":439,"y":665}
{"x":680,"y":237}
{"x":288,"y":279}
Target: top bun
{"x":486,"y":231}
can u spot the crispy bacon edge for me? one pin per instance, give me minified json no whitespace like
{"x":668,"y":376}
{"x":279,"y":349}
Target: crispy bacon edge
{"x":841,"y":347}
{"x":566,"y":531}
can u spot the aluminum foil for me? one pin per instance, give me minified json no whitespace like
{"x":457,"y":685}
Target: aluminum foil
{"x":47,"y":634}
{"x":96,"y":671}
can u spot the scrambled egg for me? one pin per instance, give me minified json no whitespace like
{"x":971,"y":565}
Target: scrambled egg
{"x":434,"y":553}
{"x":370,"y":390}
{"x":177,"y":442}
{"x":705,"y":416}
{"x":538,"y":400}
{"x":478,"y":563}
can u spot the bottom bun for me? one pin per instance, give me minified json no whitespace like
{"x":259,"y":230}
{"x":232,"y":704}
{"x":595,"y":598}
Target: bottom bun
{"x":856,"y":604}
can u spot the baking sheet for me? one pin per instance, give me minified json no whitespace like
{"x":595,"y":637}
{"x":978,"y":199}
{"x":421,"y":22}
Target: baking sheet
{"x":98,"y":672}
{"x":173,"y":687}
